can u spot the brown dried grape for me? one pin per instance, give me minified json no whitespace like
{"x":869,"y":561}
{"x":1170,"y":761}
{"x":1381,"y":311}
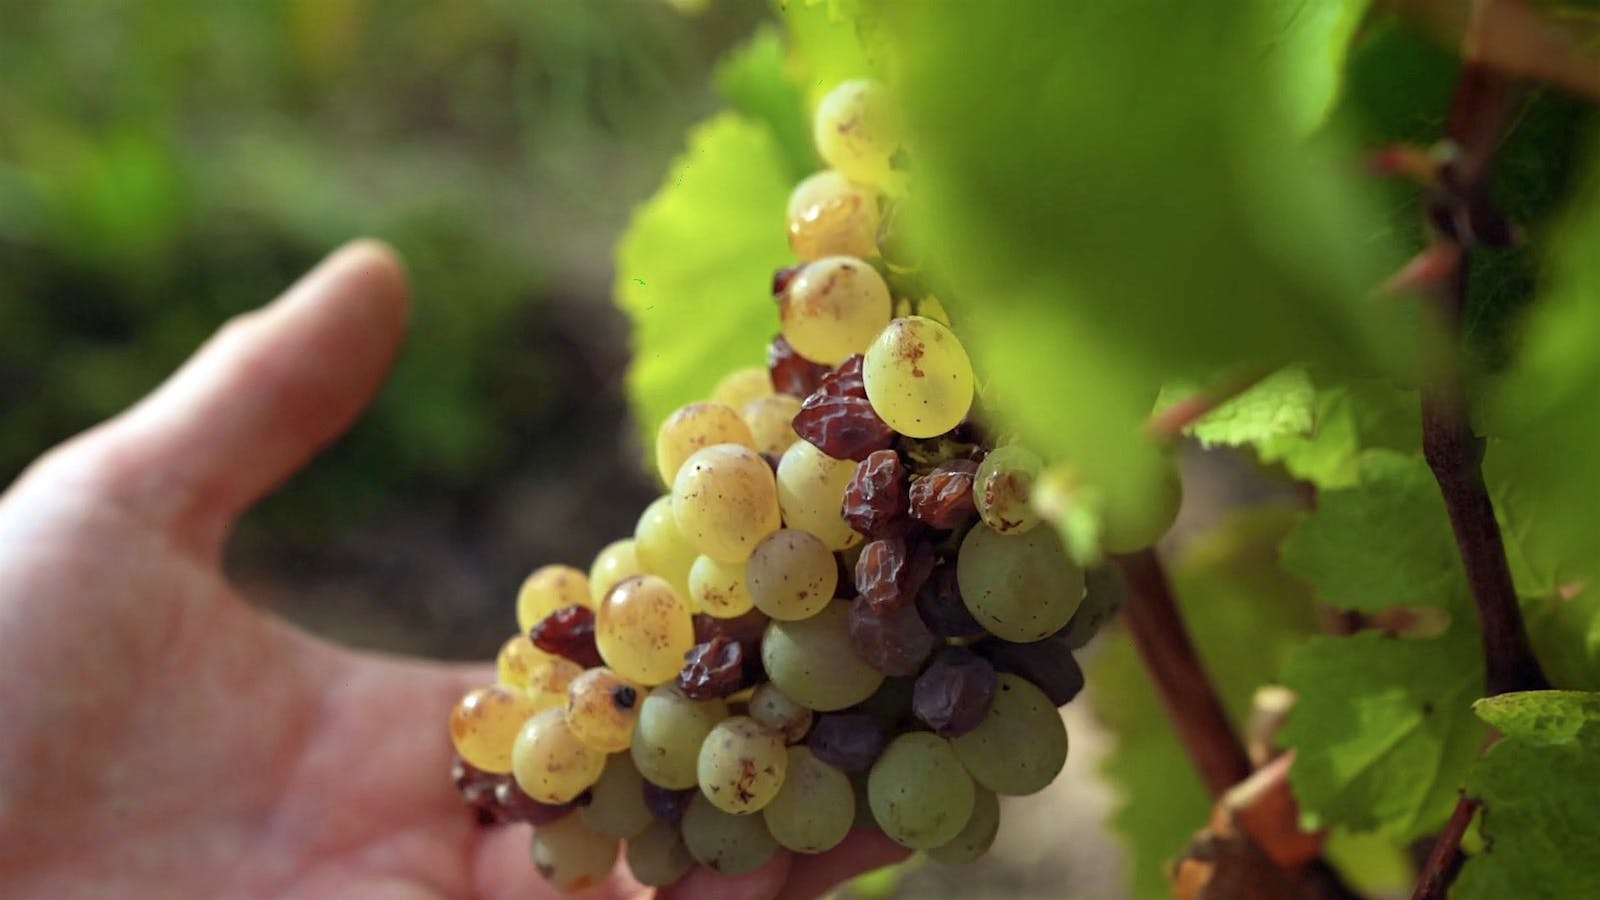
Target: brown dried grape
{"x":477,"y":789}
{"x":667,"y":804}
{"x":781,"y":279}
{"x":875,"y":501}
{"x":792,"y":373}
{"x":1048,"y":665}
{"x":747,"y":628}
{"x":516,"y":806}
{"x":844,"y":380}
{"x":714,"y":669}
{"x":943,"y":498}
{"x":849,"y":741}
{"x":842,"y":427}
{"x":889,"y":572}
{"x":568,"y":632}
{"x":954,"y":693}
{"x":941,"y":607}
{"x":895,"y":642}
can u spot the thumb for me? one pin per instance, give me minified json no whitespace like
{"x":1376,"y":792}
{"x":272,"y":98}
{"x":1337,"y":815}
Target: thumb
{"x":264,"y":395}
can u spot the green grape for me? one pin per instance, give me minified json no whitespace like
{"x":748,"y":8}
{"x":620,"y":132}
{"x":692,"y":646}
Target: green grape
{"x":730,"y":844}
{"x":643,"y":629}
{"x":1137,"y":523}
{"x":741,"y":765}
{"x":514,"y":665}
{"x":977,"y":836}
{"x":1021,"y":744}
{"x":829,"y":216}
{"x":570,"y":857}
{"x":919,"y":792}
{"x":833,"y":308}
{"x":485,"y":722}
{"x":661,"y":547}
{"x":615,"y":562}
{"x":814,"y":663}
{"x":1104,"y":592}
{"x":857,"y":131}
{"x":741,"y":387}
{"x":602,"y":708}
{"x":657,"y":856}
{"x":771,"y":420}
{"x":918,"y":377}
{"x":694,"y":428}
{"x":616,"y":801}
{"x":815,"y":808}
{"x":1021,"y":588}
{"x":791,"y":575}
{"x":726,"y":501}
{"x":773,"y":708}
{"x":548,"y":761}
{"x":1124,"y":517}
{"x":1003,"y":489}
{"x":811,"y":486}
{"x":548,"y":589}
{"x":667,"y":738}
{"x":718,"y":588}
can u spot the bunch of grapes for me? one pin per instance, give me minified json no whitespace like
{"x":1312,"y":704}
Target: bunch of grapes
{"x":842,"y":613}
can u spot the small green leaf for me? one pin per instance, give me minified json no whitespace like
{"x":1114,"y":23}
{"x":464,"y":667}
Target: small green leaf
{"x":1280,"y":405}
{"x":753,"y":81}
{"x":1350,"y":417}
{"x":1539,"y":788}
{"x":694,"y":267}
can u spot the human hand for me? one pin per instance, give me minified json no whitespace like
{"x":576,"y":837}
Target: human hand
{"x":162,"y":738}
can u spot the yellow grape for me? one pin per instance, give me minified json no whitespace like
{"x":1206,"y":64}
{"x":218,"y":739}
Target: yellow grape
{"x":829,"y":216}
{"x":485,"y":723}
{"x":548,"y":681}
{"x":602,"y":708}
{"x":811,"y":486}
{"x":725,"y":501}
{"x":771,"y":420}
{"x":548,"y":589}
{"x":616,"y":561}
{"x":718,"y":588}
{"x":643,"y":630}
{"x":918,"y":377}
{"x":791,"y":575}
{"x":693,"y":428}
{"x":740,"y":387}
{"x":661,"y":548}
{"x":548,"y":761}
{"x":515,"y":663}
{"x":833,"y":308}
{"x":857,"y":132}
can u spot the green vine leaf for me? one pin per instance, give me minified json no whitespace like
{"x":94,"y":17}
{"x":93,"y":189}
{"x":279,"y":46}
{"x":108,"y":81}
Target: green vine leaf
{"x":1311,"y":45}
{"x":1281,"y":405}
{"x":1539,"y":787}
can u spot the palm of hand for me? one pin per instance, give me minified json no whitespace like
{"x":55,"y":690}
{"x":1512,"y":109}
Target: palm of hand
{"x":161,"y":738}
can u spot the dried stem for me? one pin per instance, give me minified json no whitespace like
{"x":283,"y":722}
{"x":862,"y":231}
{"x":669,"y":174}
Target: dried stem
{"x":1445,"y":860}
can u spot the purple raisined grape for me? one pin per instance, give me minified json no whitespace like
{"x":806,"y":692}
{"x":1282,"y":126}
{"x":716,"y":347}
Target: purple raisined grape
{"x":954,"y":692}
{"x":516,"y":806}
{"x":790,"y":372}
{"x":875,"y":501}
{"x":713,"y":669}
{"x":568,"y":632}
{"x":747,"y":628}
{"x":477,"y":789}
{"x":1048,"y":664}
{"x":781,"y":279}
{"x":890,"y":572}
{"x":844,"y":380}
{"x":848,"y":741}
{"x":842,"y":427}
{"x":941,"y":607}
{"x":943,"y":498}
{"x":667,"y":804}
{"x":894,"y":642}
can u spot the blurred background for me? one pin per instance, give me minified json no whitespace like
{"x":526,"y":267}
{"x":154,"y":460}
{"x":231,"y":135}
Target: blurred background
{"x":166,"y":164}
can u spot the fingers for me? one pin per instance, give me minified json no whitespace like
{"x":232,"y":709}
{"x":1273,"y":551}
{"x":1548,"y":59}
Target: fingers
{"x":265,"y":394}
{"x":863,"y":851}
{"x":704,"y":884}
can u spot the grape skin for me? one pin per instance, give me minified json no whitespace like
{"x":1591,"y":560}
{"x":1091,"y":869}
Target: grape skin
{"x":484,"y":725}
{"x":719,"y":589}
{"x":661,"y":548}
{"x":616,"y":800}
{"x":694,"y":428}
{"x":570,"y":857}
{"x":548,"y":589}
{"x":550,"y":680}
{"x":657,"y":856}
{"x":977,"y":836}
{"x":857,"y":132}
{"x":774,"y":709}
{"x":771,"y":421}
{"x":726,"y":501}
{"x":1020,"y":588}
{"x":815,"y":808}
{"x":918,"y":377}
{"x":1020,"y":746}
{"x":616,"y":561}
{"x":549,"y":762}
{"x":813,"y":662}
{"x":741,"y":387}
{"x":1004,"y":489}
{"x":667,"y":738}
{"x":830,"y":216}
{"x":791,"y":575}
{"x":834,"y":308}
{"x":643,"y":630}
{"x":920,"y":794}
{"x":515,"y":663}
{"x":742,"y":765}
{"x":730,"y":844}
{"x":602,"y":708}
{"x":811,"y":487}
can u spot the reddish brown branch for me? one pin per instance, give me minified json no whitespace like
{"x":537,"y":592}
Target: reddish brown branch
{"x":1445,"y":860}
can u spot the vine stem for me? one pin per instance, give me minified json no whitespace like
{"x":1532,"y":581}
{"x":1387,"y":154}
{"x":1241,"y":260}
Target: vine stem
{"x":1444,"y":861}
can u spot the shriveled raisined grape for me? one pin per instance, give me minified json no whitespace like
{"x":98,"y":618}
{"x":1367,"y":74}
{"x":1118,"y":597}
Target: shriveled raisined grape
{"x":715,"y":668}
{"x":848,"y":741}
{"x":782,"y":277}
{"x":876,"y":498}
{"x":844,"y":380}
{"x":667,"y":804}
{"x":516,"y":806}
{"x":747,"y":629}
{"x":954,"y":693}
{"x":1047,"y":664}
{"x":943,"y":497}
{"x":895,"y":642}
{"x":477,"y":789}
{"x":889,"y":573}
{"x":568,"y":632}
{"x":941,"y":607}
{"x":842,"y":427}
{"x":792,"y":373}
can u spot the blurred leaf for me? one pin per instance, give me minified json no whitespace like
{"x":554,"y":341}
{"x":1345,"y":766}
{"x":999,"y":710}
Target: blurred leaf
{"x":694,"y":268}
{"x":825,"y":47}
{"x":1228,"y":584}
{"x":753,"y":81}
{"x":1371,"y":863}
{"x":1313,"y":39}
{"x":1540,"y":787}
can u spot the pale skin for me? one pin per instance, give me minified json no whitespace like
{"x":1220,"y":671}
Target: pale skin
{"x":159,"y":737}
